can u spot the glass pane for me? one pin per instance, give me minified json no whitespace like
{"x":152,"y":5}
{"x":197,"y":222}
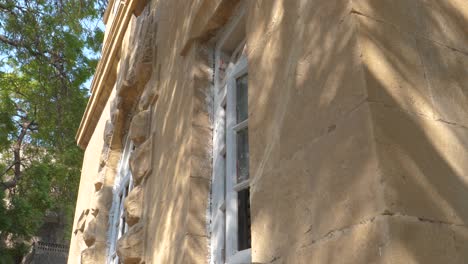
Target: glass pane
{"x":126,"y":189}
{"x":244,"y":239}
{"x":242,"y":155}
{"x":120,"y":205}
{"x":241,"y":98}
{"x":122,"y":228}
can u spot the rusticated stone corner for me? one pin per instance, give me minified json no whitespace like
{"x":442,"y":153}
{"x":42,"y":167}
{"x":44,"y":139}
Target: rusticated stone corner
{"x":100,"y":179}
{"x":102,"y":199}
{"x":144,"y":73}
{"x":128,"y":93}
{"x":134,"y":206}
{"x":81,"y":222}
{"x":88,"y":256}
{"x":115,"y":106}
{"x":80,"y":242}
{"x":104,"y":155}
{"x":94,"y":211}
{"x":130,"y":245}
{"x":140,"y":162}
{"x":114,"y":116}
{"x":140,"y":62}
{"x":209,"y":18}
{"x":98,"y":184}
{"x":112,"y":162}
{"x":89,"y":235}
{"x":147,"y":35}
{"x":94,"y":254}
{"x":139,"y":126}
{"x":149,"y":95}
{"x":140,"y":7}
{"x":96,"y":229}
{"x":108,"y":131}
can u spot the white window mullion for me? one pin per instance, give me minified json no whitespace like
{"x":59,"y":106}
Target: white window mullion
{"x":231,"y":194}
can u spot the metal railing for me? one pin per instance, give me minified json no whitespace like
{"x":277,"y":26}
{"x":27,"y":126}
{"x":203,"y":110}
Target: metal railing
{"x":45,"y":253}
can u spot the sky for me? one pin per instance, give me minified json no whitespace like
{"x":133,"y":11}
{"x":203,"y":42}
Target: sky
{"x":92,"y":24}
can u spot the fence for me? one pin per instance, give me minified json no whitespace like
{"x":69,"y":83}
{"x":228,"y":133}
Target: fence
{"x":47,"y":253}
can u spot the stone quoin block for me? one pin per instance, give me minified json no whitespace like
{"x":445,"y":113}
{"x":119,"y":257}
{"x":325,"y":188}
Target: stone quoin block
{"x":94,"y":254}
{"x":149,"y":95}
{"x":134,"y":206}
{"x":139,"y":127}
{"x":130,"y":245}
{"x":140,"y":161}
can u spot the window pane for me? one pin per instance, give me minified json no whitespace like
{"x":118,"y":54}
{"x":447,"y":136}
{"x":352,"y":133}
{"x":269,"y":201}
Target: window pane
{"x":126,"y":189}
{"x":119,"y":213}
{"x":122,"y":228}
{"x":241,"y":98}
{"x":242,"y":155}
{"x":244,"y":239}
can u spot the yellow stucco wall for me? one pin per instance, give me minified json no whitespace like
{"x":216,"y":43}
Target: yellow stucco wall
{"x":357,"y":131}
{"x":89,"y":174}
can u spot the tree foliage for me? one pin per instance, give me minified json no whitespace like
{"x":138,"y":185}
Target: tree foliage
{"x":47,"y":53}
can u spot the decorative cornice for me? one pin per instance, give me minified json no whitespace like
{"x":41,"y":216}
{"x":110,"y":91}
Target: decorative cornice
{"x":105,"y":71}
{"x":106,"y":15}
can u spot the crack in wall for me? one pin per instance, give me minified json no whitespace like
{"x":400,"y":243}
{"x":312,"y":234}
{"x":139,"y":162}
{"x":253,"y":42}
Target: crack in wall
{"x":416,"y":38}
{"x":385,"y":214}
{"x":418,"y":114}
{"x":416,"y":34}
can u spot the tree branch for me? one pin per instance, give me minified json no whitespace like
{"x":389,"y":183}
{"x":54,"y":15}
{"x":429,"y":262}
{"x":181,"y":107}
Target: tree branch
{"x":7,"y":169}
{"x":20,"y":44}
{"x":16,"y":166}
{"x":55,"y":62}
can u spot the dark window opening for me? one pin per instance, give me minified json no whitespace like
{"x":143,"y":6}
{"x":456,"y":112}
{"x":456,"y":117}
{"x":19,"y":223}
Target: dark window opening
{"x":122,"y":232}
{"x":244,"y":240}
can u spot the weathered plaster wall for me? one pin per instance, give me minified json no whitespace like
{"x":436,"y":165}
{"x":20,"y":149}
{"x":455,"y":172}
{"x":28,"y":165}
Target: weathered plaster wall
{"x":357,"y":131}
{"x":177,"y":191}
{"x":358,"y":142}
{"x":415,"y":59}
{"x":90,"y":230}
{"x":89,"y":176}
{"x":313,"y":157}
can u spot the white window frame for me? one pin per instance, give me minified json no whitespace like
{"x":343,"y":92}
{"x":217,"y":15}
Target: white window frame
{"x":232,"y":187}
{"x":122,"y":180}
{"x":224,"y":229}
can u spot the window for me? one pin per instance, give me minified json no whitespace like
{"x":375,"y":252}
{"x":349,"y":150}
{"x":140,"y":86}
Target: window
{"x":238,"y":239}
{"x":122,"y":185}
{"x":231,"y":230}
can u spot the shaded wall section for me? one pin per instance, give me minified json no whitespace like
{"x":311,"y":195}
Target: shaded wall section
{"x":357,"y":131}
{"x":357,"y":121}
{"x":177,"y":191}
{"x":415,"y":61}
{"x":89,"y":175}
